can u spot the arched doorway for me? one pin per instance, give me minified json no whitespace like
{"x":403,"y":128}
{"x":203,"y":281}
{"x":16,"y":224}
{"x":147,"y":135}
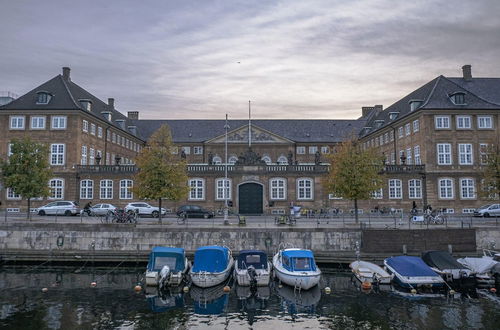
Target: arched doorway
{"x":250,"y":198}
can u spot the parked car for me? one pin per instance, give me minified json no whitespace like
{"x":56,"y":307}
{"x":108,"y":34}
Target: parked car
{"x":60,"y":208}
{"x":490,"y":210}
{"x":144,"y":209}
{"x":102,"y":209}
{"x":194,"y":211}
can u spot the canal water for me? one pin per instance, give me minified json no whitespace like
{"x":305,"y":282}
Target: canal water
{"x":70,"y":302}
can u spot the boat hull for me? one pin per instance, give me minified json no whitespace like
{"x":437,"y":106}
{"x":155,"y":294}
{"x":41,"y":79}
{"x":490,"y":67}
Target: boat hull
{"x":411,"y":282}
{"x":209,"y":279}
{"x":298,"y":279}
{"x":176,"y":278}
{"x":369,"y":272}
{"x":263,"y":276}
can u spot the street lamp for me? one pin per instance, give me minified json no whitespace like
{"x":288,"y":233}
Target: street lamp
{"x":225,"y":190}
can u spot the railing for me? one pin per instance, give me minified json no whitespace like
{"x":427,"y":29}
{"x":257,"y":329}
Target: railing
{"x":106,"y":168}
{"x":404,"y":169}
{"x":202,"y":168}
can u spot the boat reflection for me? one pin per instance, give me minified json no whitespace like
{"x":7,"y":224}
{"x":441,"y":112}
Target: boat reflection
{"x":252,"y":300}
{"x":295,"y":301}
{"x":165,"y":300}
{"x":209,"y":301}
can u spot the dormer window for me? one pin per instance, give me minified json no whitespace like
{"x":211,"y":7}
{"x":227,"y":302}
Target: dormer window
{"x":43,"y":98}
{"x":86,"y":104}
{"x":379,"y":123}
{"x":106,"y":115}
{"x":393,"y":115}
{"x":415,"y":104}
{"x":458,"y":98}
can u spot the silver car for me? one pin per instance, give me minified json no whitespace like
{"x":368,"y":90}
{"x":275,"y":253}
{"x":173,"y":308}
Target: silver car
{"x":60,"y":208}
{"x":144,"y":209}
{"x":491,"y":210}
{"x":102,"y":209}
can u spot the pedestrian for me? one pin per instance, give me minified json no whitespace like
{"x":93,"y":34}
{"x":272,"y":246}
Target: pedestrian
{"x":414,"y":208}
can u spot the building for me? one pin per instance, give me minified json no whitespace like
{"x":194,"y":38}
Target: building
{"x":432,"y":139}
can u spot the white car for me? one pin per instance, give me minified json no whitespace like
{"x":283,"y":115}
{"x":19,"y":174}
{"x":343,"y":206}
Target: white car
{"x":102,"y":209}
{"x":491,"y":210}
{"x":144,"y":209}
{"x":59,"y":208}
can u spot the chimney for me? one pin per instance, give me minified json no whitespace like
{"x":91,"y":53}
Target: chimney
{"x":111,"y":103}
{"x":378,"y":108}
{"x":66,"y":71}
{"x":365,"y":111}
{"x":133,"y":115}
{"x":467,"y":72}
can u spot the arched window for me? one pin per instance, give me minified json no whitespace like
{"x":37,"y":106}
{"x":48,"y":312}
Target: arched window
{"x":106,"y":191}
{"x":43,"y":97}
{"x":223,"y":189}
{"x":277,"y":188}
{"x":267,"y":159}
{"x":458,"y":98}
{"x":86,"y":189}
{"x":126,"y":189}
{"x":232,"y":160}
{"x":282,"y":160}
{"x":197,"y":191}
{"x":56,"y":189}
{"x":305,"y":188}
{"x":217,"y":160}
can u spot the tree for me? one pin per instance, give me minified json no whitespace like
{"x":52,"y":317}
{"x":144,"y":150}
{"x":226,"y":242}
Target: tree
{"x":491,"y":173}
{"x":27,"y":170}
{"x":162,"y":174}
{"x":354,"y":173}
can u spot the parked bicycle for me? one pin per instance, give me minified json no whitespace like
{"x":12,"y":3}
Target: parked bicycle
{"x":435,"y":217}
{"x":120,"y":216}
{"x":181,"y":218}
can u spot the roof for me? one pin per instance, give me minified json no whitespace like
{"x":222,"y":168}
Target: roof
{"x":167,"y":249}
{"x":211,"y":259}
{"x":298,"y":253}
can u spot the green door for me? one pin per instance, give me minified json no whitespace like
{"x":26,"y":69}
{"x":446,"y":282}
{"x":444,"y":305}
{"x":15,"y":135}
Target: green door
{"x":250,"y":198}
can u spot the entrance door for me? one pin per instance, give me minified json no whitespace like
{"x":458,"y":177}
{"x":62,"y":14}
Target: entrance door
{"x":250,"y":198}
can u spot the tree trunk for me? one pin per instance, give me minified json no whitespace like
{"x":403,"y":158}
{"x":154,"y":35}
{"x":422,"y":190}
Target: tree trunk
{"x":159,"y":210}
{"x":29,"y":209}
{"x":356,"y":210}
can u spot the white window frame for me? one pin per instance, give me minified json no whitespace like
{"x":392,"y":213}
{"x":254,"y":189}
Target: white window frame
{"x":468,"y":190}
{"x":400,"y":132}
{"x":465,"y":154}
{"x":91,"y":156}
{"x":86,"y":189}
{"x":483,"y":153}
{"x":10,"y":194}
{"x":442,"y":122}
{"x":416,"y":155}
{"x":99,"y":131}
{"x":197,"y":189}
{"x":377,"y":194}
{"x":232,"y":160}
{"x":445,"y":185}
{"x":106,"y":189}
{"x":39,"y":99}
{"x":93,"y":128}
{"x":305,"y":189}
{"x":267,"y":159}
{"x":57,"y":154}
{"x":464,"y":122}
{"x":277,"y":189}
{"x":126,"y":186}
{"x":84,"y":156}
{"x":198,"y":150}
{"x":395,"y":189}
{"x":59,"y":122}
{"x":300,"y":150}
{"x":415,"y":189}
{"x":186,"y":149}
{"x":416,"y":126}
{"x":407,"y":129}
{"x":409,"y":159}
{"x":325,"y":150}
{"x":56,"y":186}
{"x":282,"y":160}
{"x":443,"y":154}
{"x":9,"y":149}
{"x":313,"y":150}
{"x":85,"y":126}
{"x":482,"y":120}
{"x":36,"y":120}
{"x":17,"y":122}
{"x":217,"y":160}
{"x":221,"y":192}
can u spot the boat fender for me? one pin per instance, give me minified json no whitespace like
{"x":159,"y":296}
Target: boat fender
{"x":185,"y":289}
{"x":227,"y":288}
{"x":452,"y":292}
{"x":60,"y":240}
{"x":45,"y":290}
{"x":366,"y":285}
{"x":137,"y":288}
{"x":93,"y":284}
{"x":413,"y":291}
{"x":493,"y":290}
{"x":328,"y":290}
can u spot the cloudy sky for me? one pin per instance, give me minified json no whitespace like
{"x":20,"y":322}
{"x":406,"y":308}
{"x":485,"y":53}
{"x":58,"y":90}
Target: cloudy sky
{"x":202,"y":59}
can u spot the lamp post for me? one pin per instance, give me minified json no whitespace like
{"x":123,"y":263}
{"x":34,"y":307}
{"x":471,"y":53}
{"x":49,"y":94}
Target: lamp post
{"x":224,"y":189}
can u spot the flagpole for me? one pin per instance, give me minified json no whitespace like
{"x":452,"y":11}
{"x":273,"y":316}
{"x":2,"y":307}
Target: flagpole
{"x":249,"y":127}
{"x":224,"y":191}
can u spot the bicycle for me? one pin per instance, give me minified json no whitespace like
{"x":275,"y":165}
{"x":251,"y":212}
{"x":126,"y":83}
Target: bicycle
{"x":434,"y":217}
{"x":120,"y":216}
{"x":181,"y":218}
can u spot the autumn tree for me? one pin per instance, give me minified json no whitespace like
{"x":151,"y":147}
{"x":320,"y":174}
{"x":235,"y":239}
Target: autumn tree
{"x":162,"y":174}
{"x":354,"y":173}
{"x":491,"y":172}
{"x":27,"y":170}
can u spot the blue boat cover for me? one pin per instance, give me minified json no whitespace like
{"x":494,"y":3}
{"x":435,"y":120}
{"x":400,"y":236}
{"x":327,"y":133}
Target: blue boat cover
{"x":300,"y":260}
{"x":410,"y":266}
{"x":255,"y":258}
{"x":170,"y":256}
{"x":213,"y":259}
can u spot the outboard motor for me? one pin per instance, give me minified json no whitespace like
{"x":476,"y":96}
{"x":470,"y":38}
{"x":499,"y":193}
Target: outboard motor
{"x":496,"y":275}
{"x":164,"y":277}
{"x":252,"y":273}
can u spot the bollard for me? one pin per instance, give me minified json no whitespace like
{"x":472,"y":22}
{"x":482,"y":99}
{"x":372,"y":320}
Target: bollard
{"x":404,"y":249}
{"x":5,"y":214}
{"x":450,"y":248}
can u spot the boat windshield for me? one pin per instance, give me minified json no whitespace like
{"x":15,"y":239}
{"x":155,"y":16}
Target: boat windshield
{"x":165,"y":261}
{"x":302,"y":264}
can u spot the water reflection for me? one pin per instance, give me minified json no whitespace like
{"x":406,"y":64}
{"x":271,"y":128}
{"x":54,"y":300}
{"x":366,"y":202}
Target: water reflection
{"x":295,"y":301}
{"x":209,"y":301}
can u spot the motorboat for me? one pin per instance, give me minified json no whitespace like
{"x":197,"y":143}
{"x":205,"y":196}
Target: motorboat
{"x":454,"y":273}
{"x":297,"y":268}
{"x":482,"y":268}
{"x":212,"y":265}
{"x":167,"y":266}
{"x":252,"y":268}
{"x":412,"y":272}
{"x":368,"y":272}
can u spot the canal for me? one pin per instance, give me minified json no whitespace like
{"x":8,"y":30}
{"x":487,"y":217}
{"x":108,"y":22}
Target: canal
{"x":41,"y":297}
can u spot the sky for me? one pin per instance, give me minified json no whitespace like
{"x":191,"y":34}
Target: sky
{"x":203,"y":59}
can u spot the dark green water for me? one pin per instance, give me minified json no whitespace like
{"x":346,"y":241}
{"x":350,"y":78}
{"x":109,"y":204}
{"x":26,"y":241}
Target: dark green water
{"x":71,"y":303}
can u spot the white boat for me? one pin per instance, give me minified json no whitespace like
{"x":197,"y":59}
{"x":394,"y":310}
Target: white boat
{"x":368,"y":272}
{"x":252,"y":268}
{"x":297,"y":268}
{"x":170,"y":262}
{"x":212,"y":266}
{"x":482,"y":267}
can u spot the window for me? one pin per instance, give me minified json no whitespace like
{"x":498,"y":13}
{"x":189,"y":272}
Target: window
{"x":415,"y":104}
{"x":464,"y":122}
{"x":386,"y":137}
{"x":393,"y":115}
{"x":106,"y":191}
{"x":400,"y":132}
{"x":126,"y":189}
{"x":197,"y":150}
{"x":16,"y":122}
{"x":458,"y":98}
{"x":43,"y":98}
{"x":197,"y":191}
{"x":407,"y":129}
{"x":107,"y":158}
{"x":465,"y":154}
{"x":217,"y":160}
{"x":223,"y":189}
{"x":313,"y":149}
{"x":401,"y":156}
{"x":446,"y":188}
{"x":409,"y":160}
{"x":304,"y":189}
{"x":416,"y":126}
{"x":267,"y":159}
{"x":391,"y":135}
{"x":11,"y":194}
{"x":443,"y":153}
{"x":187,"y":150}
{"x":301,"y":150}
{"x":395,"y":189}
{"x":84,"y":155}
{"x":57,"y":154}
{"x":484,"y":122}
{"x":86,"y":104}
{"x":393,"y":158}
{"x":56,"y":189}
{"x":86,"y":189}
{"x":414,"y":188}
{"x":442,"y":122}
{"x":91,"y":156}
{"x":282,"y":160}
{"x":325,"y":150}
{"x":9,"y":149}
{"x":333,"y":196}
{"x":483,"y":153}
{"x":38,"y":122}
{"x":99,"y":131}
{"x":416,"y":153}
{"x":59,"y":122}
{"x":92,"y":129}
{"x":113,"y":137}
{"x":232,"y":160}
{"x":277,"y":187}
{"x":377,"y":194}
{"x":467,"y":189}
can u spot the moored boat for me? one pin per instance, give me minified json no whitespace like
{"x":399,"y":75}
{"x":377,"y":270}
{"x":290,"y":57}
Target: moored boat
{"x":413,"y":272}
{"x":297,"y":268}
{"x":252,"y":268}
{"x":368,"y":272}
{"x":482,"y":268}
{"x":454,"y":273}
{"x":166,"y":266}
{"x":212,"y":266}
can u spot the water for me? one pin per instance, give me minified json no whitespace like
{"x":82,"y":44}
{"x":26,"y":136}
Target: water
{"x":71,"y":303}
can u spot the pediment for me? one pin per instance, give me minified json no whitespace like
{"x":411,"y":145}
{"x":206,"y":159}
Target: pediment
{"x":259,"y":136}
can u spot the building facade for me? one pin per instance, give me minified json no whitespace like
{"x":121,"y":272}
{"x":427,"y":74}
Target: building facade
{"x":433,"y":139}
